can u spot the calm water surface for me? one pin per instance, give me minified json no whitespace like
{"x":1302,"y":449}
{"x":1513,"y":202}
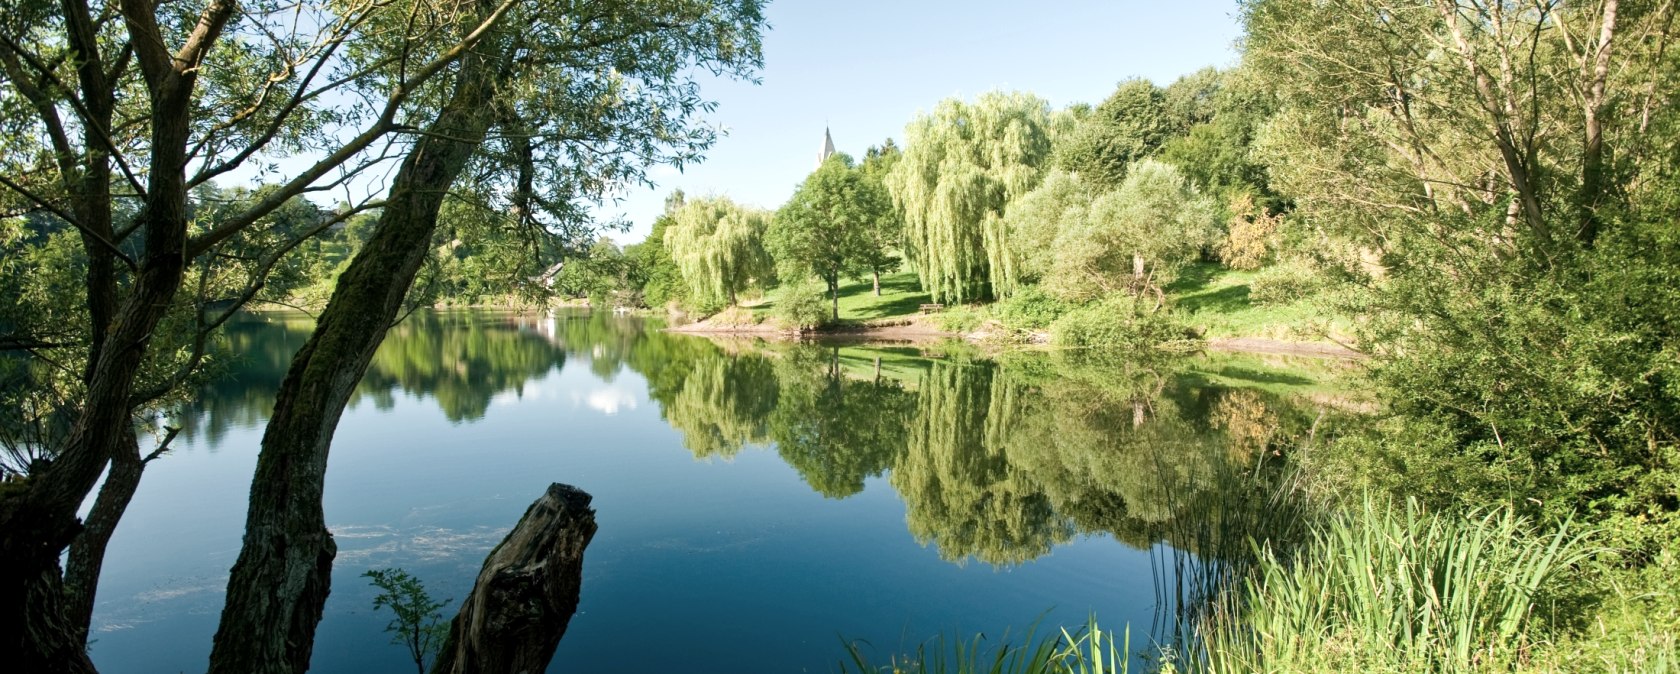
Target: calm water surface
{"x":756,"y":502}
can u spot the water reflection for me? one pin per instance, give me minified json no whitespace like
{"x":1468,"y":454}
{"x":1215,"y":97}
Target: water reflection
{"x":460,"y":360}
{"x":996,"y":459}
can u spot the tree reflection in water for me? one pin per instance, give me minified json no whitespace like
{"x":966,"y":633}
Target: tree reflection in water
{"x":996,"y":458}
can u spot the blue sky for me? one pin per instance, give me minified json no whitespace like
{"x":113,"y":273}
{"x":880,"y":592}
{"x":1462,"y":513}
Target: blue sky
{"x":866,"y":67}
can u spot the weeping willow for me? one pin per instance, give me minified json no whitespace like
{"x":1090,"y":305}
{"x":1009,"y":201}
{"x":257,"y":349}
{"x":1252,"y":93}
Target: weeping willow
{"x":962,"y":164}
{"x":718,"y":246}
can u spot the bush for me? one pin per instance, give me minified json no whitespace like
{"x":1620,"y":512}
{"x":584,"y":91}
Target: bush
{"x":1031,"y":309}
{"x":1121,"y":321}
{"x":961,"y":318}
{"x":803,"y":305}
{"x":1284,"y":283}
{"x":735,"y":317}
{"x":1250,"y":235}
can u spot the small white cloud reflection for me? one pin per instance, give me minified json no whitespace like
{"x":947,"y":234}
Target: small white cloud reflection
{"x":607,"y":400}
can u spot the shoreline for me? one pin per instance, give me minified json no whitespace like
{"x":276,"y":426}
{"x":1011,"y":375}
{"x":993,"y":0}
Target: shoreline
{"x":917,"y":331}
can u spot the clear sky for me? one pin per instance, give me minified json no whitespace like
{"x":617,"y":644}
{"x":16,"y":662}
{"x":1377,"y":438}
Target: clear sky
{"x":866,"y":67}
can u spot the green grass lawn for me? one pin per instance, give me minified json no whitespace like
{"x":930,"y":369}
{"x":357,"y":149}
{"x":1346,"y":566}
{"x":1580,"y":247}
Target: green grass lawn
{"x":1216,"y":300}
{"x":901,"y":296}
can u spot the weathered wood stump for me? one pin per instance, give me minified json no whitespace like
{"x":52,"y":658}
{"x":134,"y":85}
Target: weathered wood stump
{"x":526,"y":591}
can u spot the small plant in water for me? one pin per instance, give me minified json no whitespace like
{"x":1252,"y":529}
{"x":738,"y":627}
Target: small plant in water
{"x":418,"y":624}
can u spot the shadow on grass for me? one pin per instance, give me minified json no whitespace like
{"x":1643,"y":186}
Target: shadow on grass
{"x":900,"y":296}
{"x":1193,"y":278}
{"x":1226,"y":300}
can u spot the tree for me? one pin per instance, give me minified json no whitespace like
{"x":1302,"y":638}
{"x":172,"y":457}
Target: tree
{"x":1155,"y":218}
{"x":171,"y":97}
{"x":718,"y":246}
{"x":1127,"y":126}
{"x":962,"y":164}
{"x":884,"y":234}
{"x":655,"y":273}
{"x":824,"y":229}
{"x":1493,"y":185}
{"x":1032,"y":222}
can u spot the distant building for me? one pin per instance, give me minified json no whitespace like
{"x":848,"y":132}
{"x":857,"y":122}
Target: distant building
{"x":827,"y":148}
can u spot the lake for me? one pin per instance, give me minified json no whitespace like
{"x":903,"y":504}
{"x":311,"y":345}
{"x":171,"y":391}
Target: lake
{"x":758,"y":503}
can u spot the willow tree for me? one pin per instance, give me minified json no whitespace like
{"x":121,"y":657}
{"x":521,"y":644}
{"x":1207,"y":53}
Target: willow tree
{"x":961,"y":165}
{"x":718,"y":246}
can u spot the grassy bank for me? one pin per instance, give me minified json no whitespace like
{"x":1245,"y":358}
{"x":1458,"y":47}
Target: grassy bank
{"x":1209,"y":300}
{"x":1377,"y":587}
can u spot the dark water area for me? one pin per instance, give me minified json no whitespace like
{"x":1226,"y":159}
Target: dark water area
{"x":756,"y":502}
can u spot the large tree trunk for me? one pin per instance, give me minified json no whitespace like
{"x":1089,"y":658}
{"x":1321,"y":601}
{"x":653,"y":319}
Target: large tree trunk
{"x":38,"y":519}
{"x":526,"y":592}
{"x":280,"y":582}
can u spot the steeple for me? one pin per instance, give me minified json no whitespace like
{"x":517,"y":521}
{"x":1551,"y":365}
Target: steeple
{"x":827,"y":148}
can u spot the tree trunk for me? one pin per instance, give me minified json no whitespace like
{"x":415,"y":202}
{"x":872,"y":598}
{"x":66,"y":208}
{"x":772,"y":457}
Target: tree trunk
{"x":87,"y":552}
{"x":279,"y":585}
{"x":834,"y":295}
{"x":1592,"y":155}
{"x":38,"y":519}
{"x":526,"y":591}
{"x":877,"y":274}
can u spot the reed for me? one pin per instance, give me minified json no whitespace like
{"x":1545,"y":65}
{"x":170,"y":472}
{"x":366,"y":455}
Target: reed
{"x":1386,"y":588}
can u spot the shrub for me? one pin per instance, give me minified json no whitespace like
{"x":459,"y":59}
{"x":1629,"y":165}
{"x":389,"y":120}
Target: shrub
{"x":802,"y":305}
{"x":1250,"y":236}
{"x":1120,"y":321}
{"x":961,"y":318}
{"x":1283,"y":283}
{"x":1031,"y":309}
{"x":734,"y":317}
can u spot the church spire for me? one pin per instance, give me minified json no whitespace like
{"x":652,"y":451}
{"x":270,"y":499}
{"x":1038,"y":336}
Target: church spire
{"x":827,"y":148}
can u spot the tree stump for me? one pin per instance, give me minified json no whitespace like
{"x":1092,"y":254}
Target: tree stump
{"x":526,"y":591}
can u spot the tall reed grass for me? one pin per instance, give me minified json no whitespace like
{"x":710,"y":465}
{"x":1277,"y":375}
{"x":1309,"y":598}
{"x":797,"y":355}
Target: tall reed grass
{"x":1374,"y":588}
{"x":1390,"y":588}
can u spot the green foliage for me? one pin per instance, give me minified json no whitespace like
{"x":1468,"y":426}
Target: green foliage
{"x":416,"y":623}
{"x":962,"y":318}
{"x":1284,"y":283}
{"x":651,"y":264}
{"x":1135,"y":238}
{"x":1031,"y":309}
{"x":1032,"y":222}
{"x":802,"y":305}
{"x":963,"y":163}
{"x":1118,"y":322}
{"x":719,"y":248}
{"x":832,"y":226}
{"x":1126,"y":127}
{"x":1381,"y":588}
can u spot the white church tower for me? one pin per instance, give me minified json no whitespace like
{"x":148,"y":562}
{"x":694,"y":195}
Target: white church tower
{"x":827,"y":148}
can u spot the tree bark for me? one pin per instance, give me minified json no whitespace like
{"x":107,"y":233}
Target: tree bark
{"x":87,"y":552}
{"x":877,"y":274}
{"x":1592,"y":155}
{"x":279,"y":585}
{"x":526,"y":591}
{"x":834,"y":295}
{"x":38,"y":519}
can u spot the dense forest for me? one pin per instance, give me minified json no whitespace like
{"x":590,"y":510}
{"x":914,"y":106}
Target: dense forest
{"x":1479,"y":197}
